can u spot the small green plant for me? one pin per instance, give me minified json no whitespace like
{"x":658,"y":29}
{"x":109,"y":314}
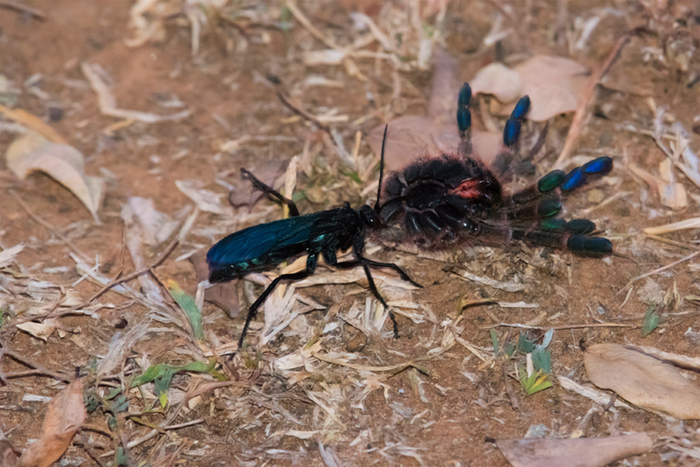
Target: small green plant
{"x":188,"y":305}
{"x":161,"y":375}
{"x":535,"y":382}
{"x":509,"y":348}
{"x":651,"y":321}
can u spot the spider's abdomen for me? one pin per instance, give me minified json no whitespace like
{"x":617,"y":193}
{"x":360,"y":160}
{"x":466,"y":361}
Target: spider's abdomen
{"x":439,"y":200}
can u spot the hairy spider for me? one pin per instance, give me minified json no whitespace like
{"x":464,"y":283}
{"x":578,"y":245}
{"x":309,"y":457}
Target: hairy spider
{"x":455,"y":199}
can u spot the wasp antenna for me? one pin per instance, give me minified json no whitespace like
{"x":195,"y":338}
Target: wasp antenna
{"x":381,"y":170}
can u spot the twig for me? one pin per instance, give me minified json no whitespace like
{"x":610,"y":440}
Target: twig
{"x":50,"y":228}
{"x":589,"y":95}
{"x":398,"y":366}
{"x":151,"y":434}
{"x":38,"y":368}
{"x":513,"y":400}
{"x":12,"y":5}
{"x":656,"y":271}
{"x":91,"y":452}
{"x":304,"y":21}
{"x":184,"y":425}
{"x":672,"y":242}
{"x":565,"y":326}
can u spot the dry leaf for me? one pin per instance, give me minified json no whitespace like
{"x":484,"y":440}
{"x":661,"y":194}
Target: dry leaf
{"x":642,"y":379}
{"x":34,"y":123}
{"x":40,"y":330}
{"x":499,"y":80}
{"x":108,"y":104}
{"x":672,"y":193}
{"x":8,"y":455}
{"x":205,"y":200}
{"x":411,"y":137}
{"x":224,"y":294}
{"x":8,"y":255}
{"x":66,"y":412}
{"x":62,"y":162}
{"x":581,"y":452}
{"x":554,"y":84}
{"x":156,"y":227}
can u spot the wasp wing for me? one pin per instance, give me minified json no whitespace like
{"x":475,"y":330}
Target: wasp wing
{"x":260,"y":240}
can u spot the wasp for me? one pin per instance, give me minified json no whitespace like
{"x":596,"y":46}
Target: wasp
{"x":323,"y":233}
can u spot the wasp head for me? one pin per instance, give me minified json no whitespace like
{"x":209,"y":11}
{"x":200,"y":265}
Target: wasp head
{"x":370,"y":218}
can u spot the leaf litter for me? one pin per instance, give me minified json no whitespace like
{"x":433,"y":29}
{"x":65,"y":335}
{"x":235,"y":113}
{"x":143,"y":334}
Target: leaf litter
{"x":336,"y":404}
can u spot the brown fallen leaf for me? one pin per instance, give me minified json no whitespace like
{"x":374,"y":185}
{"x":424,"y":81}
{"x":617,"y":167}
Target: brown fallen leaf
{"x":643,"y":379}
{"x":62,"y":162}
{"x":554,"y":84}
{"x":223,"y":295}
{"x":65,"y":413}
{"x":156,"y":227}
{"x":33,"y":123}
{"x":8,"y":455}
{"x":580,"y":452}
{"x":498,"y":80}
{"x":8,"y":255}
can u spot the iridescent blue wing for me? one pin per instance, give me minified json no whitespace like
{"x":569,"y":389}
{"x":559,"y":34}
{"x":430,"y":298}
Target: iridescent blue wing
{"x":259,"y":240}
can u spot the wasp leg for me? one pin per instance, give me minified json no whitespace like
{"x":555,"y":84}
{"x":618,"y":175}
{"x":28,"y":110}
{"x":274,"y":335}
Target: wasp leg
{"x":252,"y":311}
{"x":366,"y":263}
{"x":293,"y":211}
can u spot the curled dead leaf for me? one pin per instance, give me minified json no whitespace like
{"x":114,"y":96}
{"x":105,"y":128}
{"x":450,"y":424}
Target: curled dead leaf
{"x":554,"y":84}
{"x":643,"y":379}
{"x":65,"y":164}
{"x":66,"y":412}
{"x":8,"y":455}
{"x":580,"y":452}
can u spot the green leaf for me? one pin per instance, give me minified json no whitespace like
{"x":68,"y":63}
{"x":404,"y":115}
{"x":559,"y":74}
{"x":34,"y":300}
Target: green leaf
{"x":534,"y":383}
{"x":121,"y":404}
{"x":525,"y":345}
{"x":542,"y":360}
{"x":112,"y":423}
{"x":161,"y":370}
{"x":651,"y":321}
{"x":494,"y":340}
{"x":120,"y":457}
{"x":188,"y":305}
{"x":162,"y":383}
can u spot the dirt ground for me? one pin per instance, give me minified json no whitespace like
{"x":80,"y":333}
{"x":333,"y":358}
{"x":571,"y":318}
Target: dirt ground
{"x":451,"y":413}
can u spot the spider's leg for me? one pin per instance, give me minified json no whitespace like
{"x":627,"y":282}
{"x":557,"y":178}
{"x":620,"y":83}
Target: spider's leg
{"x":573,"y":236}
{"x":511,"y":137}
{"x":464,"y":120}
{"x":543,"y":198}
